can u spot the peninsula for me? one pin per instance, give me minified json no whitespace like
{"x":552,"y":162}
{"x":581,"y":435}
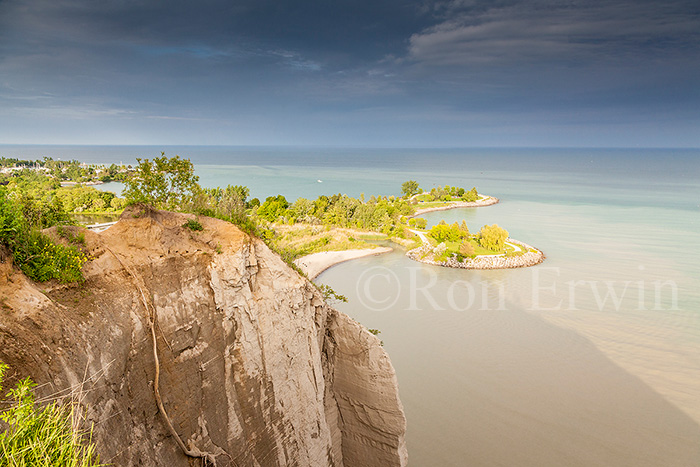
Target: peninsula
{"x":454,"y":246}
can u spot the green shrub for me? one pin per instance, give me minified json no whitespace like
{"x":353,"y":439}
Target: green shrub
{"x":330,"y":296}
{"x":466,"y":249}
{"x":193,"y":224}
{"x":33,"y":252}
{"x":41,"y":259}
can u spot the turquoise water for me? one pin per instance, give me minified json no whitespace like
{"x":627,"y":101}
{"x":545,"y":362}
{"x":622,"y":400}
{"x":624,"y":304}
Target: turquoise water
{"x":591,"y":358}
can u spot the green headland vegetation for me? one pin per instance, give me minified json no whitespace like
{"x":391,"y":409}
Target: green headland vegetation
{"x":45,"y":193}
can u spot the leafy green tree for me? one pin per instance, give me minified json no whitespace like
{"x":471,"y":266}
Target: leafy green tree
{"x":421,"y":222}
{"x":42,"y":214}
{"x":85,"y":199}
{"x":117,"y":203}
{"x":233,"y":202}
{"x":340,"y":210}
{"x":74,"y":172}
{"x":447,"y":233}
{"x":303,"y":211}
{"x":410,"y":188}
{"x":471,"y":195}
{"x":492,"y":237}
{"x":228,"y":203}
{"x":167,"y":183}
{"x":273,"y":207}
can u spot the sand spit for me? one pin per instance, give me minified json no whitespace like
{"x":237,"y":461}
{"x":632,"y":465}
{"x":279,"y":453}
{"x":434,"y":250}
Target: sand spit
{"x":316,"y":263}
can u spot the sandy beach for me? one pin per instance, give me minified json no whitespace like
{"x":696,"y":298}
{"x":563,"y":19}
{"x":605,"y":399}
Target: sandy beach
{"x":316,"y":263}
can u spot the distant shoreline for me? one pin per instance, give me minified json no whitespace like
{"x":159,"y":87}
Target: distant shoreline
{"x":486,"y":201}
{"x":315,"y":263}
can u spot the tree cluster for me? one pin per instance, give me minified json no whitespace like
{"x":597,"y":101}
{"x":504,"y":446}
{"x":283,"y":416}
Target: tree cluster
{"x":449,"y":233}
{"x":21,"y":220}
{"x":380,"y":214}
{"x":449,"y":193}
{"x":418,"y":222}
{"x":88,"y":199}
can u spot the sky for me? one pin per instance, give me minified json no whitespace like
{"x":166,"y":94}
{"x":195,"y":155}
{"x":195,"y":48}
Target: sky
{"x":377,"y":73}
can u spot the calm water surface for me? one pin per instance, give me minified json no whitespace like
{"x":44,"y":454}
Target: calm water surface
{"x":592,"y":358}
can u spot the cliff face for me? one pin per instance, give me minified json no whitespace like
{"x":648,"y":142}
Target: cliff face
{"x":254,"y":367}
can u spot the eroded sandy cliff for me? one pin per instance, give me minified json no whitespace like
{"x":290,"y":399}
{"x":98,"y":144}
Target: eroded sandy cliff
{"x":254,"y":367}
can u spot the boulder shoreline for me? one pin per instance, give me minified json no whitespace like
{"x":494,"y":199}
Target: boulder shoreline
{"x":423,"y":254}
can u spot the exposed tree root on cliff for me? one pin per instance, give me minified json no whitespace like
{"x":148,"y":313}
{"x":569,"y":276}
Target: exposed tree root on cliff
{"x":192,"y":451}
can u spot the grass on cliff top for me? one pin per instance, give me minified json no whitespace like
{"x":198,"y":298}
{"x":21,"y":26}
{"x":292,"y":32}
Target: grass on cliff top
{"x":48,"y":436}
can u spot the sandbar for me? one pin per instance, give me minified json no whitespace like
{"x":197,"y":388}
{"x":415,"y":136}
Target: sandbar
{"x":314,"y":264}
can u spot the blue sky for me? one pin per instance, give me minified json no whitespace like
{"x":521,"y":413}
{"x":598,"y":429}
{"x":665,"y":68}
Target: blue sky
{"x":384,"y":73}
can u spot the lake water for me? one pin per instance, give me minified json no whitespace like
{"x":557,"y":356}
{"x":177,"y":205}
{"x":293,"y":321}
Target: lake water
{"x":591,"y":358}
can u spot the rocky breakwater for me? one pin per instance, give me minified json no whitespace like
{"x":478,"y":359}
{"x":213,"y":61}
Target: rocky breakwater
{"x":530,"y":256}
{"x":255,"y":369}
{"x":485,"y":201}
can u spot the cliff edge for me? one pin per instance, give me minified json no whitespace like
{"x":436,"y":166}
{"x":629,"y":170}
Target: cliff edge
{"x":255,"y":368}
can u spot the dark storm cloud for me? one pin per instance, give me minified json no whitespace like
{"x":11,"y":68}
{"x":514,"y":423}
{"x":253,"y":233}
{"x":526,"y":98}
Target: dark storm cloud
{"x":335,"y":28}
{"x":559,"y":32}
{"x":265,"y":69}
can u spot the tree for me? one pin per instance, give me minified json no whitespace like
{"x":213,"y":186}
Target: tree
{"x":410,"y":188}
{"x":168,"y":183}
{"x":303,"y":210}
{"x":492,"y":237}
{"x":471,"y":195}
